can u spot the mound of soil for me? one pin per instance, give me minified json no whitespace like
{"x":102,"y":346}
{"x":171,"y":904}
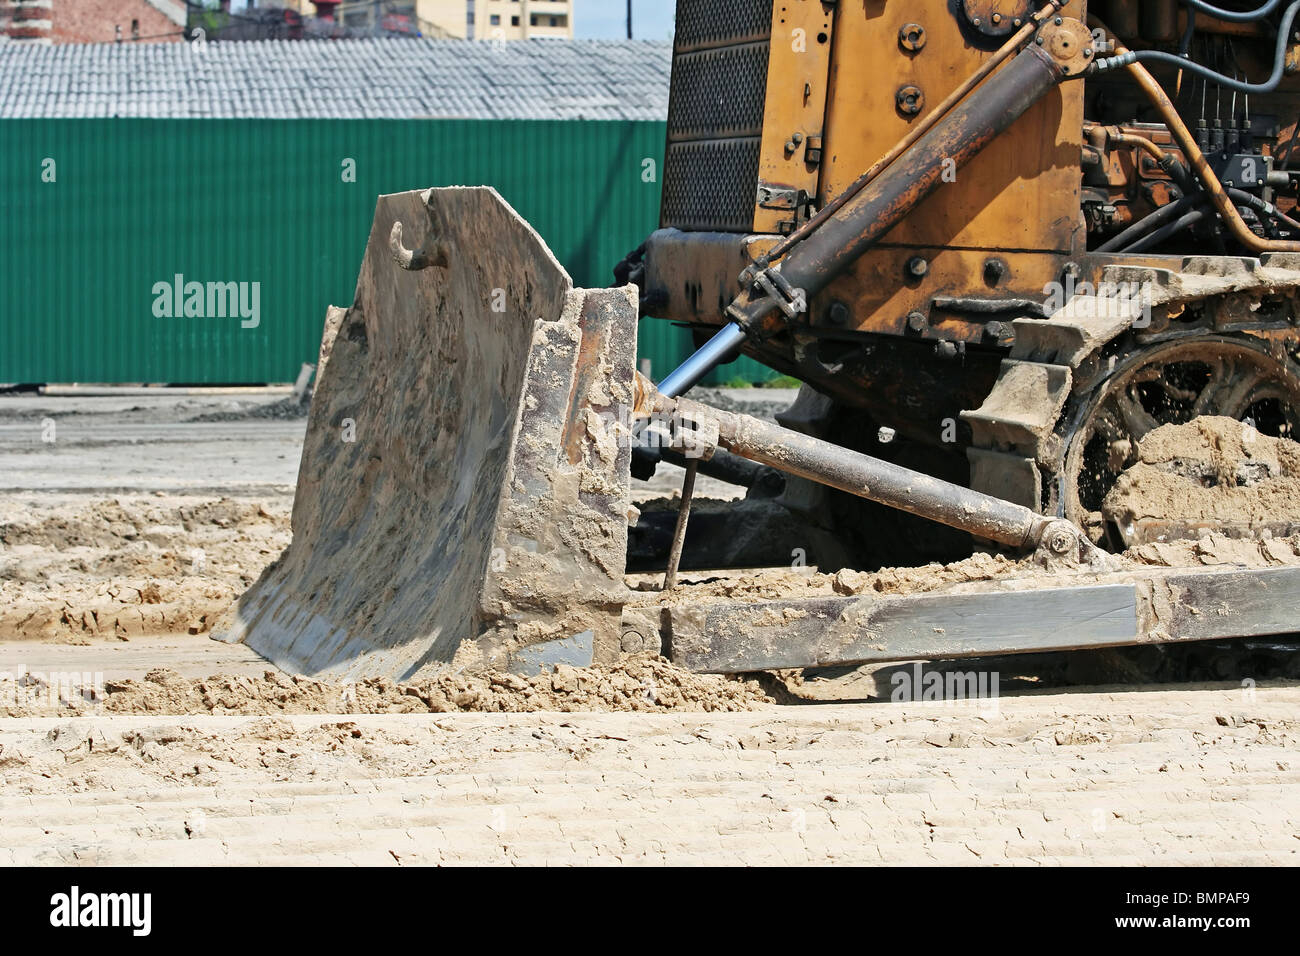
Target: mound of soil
{"x":633,"y":685}
{"x":1211,"y":473}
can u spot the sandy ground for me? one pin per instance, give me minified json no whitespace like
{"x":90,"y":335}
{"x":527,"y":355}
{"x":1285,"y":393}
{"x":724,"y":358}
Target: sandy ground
{"x":144,"y":444}
{"x":1186,"y":776}
{"x":142,"y":515}
{"x":124,"y":536}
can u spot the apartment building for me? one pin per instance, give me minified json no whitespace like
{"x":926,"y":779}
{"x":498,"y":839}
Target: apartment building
{"x":521,"y":19}
{"x":473,"y":19}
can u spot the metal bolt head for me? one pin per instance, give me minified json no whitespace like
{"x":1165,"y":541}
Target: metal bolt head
{"x":910,"y":100}
{"x":917,"y":321}
{"x":917,"y":267}
{"x":640,"y":640}
{"x":997,"y":331}
{"x":912,"y":37}
{"x":1061,"y":538}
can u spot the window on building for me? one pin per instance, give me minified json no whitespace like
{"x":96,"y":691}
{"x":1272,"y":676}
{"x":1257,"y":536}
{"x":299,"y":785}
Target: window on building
{"x":514,"y":21}
{"x":495,"y":19}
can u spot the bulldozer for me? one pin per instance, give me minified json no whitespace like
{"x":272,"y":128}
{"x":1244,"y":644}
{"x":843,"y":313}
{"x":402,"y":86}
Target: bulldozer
{"x":1000,"y":242}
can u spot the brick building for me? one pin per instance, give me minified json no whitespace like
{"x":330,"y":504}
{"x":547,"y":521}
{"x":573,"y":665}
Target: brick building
{"x":92,"y":21}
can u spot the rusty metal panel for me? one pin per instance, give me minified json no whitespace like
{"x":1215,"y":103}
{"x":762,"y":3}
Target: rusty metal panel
{"x":1021,"y":193}
{"x":711,"y":185}
{"x":704,"y":24}
{"x":795,"y":115}
{"x":717,"y":93}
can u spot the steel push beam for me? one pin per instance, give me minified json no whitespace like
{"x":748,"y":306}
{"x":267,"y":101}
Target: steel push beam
{"x":1006,"y":617}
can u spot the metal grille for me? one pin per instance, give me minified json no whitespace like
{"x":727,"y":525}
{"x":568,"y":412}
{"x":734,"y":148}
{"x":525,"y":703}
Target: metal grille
{"x":715,"y":116}
{"x":711,"y":185}
{"x":718,"y":94}
{"x":710,"y":23}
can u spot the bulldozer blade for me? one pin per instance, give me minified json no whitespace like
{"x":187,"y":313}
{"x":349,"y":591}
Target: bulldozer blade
{"x":463,"y":495}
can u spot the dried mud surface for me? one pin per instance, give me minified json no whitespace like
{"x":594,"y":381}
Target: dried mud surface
{"x":632,"y":686}
{"x":1192,"y":776}
{"x":75,"y":569}
{"x":81,"y":568}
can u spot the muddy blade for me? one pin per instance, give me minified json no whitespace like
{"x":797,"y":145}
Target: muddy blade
{"x":461,"y":493}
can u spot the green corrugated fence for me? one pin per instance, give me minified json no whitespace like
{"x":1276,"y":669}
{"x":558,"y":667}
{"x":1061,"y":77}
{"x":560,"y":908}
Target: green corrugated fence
{"x":95,"y":214}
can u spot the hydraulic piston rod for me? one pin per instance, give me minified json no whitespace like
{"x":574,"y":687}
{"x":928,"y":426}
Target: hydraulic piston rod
{"x":777,"y":294}
{"x":917,"y":493}
{"x":955,"y":140}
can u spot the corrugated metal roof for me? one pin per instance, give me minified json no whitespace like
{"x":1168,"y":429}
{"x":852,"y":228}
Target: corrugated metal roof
{"x":339,"y":79}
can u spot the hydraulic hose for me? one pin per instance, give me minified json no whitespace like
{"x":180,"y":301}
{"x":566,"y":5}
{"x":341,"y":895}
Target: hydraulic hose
{"x":1234,"y":16}
{"x":1243,"y":198}
{"x":1196,"y":159}
{"x":1174,"y":218}
{"x":1155,"y":220}
{"x":1129,"y":57}
{"x":1169,"y":229}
